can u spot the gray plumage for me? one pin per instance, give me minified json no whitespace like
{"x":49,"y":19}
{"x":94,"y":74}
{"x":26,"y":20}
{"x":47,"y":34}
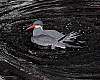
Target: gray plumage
{"x":51,"y":37}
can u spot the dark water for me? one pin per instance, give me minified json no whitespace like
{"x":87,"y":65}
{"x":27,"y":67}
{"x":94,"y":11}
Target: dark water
{"x":22,"y":60}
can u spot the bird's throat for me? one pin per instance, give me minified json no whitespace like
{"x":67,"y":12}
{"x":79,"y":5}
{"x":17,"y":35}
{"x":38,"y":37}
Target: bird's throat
{"x":37,"y":31}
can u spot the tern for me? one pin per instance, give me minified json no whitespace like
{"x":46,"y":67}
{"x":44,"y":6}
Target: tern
{"x":51,"y":38}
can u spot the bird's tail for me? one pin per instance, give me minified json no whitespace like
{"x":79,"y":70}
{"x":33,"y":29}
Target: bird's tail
{"x":71,"y":40}
{"x":70,"y":37}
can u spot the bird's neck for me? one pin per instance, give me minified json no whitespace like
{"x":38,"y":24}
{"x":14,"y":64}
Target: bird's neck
{"x":37,"y":31}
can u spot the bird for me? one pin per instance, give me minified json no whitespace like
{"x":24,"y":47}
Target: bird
{"x":51,"y":38}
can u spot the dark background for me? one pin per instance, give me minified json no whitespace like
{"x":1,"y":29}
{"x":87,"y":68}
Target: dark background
{"x":19,"y":63}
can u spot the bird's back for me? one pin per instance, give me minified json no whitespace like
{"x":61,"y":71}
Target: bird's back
{"x":55,"y":34}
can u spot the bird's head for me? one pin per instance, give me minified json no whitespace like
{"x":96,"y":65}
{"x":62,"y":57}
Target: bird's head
{"x":36,"y":24}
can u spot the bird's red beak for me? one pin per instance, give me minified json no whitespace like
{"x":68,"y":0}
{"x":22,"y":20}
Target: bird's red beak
{"x":31,"y":27}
